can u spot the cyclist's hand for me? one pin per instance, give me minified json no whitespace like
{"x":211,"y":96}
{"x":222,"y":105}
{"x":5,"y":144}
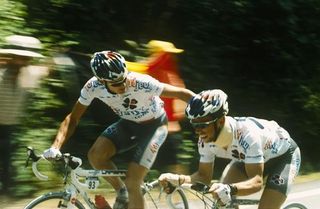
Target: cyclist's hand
{"x":169,"y":177}
{"x":169,"y":181}
{"x":221,"y":192}
{"x":51,"y":153}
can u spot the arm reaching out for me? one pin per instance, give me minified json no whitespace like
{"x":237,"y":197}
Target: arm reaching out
{"x":177,"y":92}
{"x":66,"y":129}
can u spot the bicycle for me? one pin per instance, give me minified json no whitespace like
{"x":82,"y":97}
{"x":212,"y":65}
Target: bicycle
{"x":201,"y":191}
{"x":75,"y":189}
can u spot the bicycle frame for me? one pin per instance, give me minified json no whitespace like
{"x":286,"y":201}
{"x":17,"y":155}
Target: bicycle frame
{"x":74,"y":187}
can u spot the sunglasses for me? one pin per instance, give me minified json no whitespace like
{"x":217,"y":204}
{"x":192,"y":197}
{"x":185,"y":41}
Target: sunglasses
{"x":202,"y":124}
{"x":119,"y":83}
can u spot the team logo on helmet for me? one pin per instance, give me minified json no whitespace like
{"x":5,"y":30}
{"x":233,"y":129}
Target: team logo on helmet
{"x":195,"y":108}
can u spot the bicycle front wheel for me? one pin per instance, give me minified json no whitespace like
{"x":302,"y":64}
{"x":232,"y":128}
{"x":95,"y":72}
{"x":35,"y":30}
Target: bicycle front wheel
{"x":52,"y":200}
{"x":157,"y":199}
{"x":177,"y":200}
{"x":295,"y":206}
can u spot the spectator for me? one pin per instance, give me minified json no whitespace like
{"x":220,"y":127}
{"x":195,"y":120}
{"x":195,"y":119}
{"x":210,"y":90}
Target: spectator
{"x":163,"y":65}
{"x":16,"y":76}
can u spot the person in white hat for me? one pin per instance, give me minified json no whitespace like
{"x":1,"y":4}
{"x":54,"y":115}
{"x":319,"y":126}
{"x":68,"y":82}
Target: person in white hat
{"x":15,"y":56}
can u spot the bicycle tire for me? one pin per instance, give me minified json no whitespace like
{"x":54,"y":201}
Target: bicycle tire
{"x":177,"y":200}
{"x":52,"y":198}
{"x":295,"y":206}
{"x":155,"y":198}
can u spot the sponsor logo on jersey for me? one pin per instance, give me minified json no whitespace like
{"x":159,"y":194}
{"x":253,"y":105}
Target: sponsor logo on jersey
{"x":238,"y":155}
{"x":154,"y":147}
{"x":111,"y":129}
{"x":271,"y":146}
{"x":143,"y":85}
{"x":277,"y":179}
{"x":135,"y":113}
{"x":244,"y":144}
{"x":92,"y":84}
{"x":132,"y":82}
{"x":130,"y":103}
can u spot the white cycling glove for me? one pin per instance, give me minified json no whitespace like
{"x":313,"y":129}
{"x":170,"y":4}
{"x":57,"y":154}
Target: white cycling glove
{"x":223,"y":191}
{"x":51,"y":153}
{"x":170,"y":177}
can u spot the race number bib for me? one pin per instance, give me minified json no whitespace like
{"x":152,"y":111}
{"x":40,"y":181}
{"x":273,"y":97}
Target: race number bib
{"x":92,"y":182}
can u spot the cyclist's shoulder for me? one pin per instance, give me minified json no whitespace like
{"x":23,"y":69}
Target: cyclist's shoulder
{"x":140,"y":77}
{"x":92,"y":83}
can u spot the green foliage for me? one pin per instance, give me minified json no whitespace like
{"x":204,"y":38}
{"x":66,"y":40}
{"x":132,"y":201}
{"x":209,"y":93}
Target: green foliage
{"x":10,"y":12}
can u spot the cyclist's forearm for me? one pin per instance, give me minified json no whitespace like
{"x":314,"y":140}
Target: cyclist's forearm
{"x":65,"y":131}
{"x":170,"y":91}
{"x":196,"y":177}
{"x":250,"y":186}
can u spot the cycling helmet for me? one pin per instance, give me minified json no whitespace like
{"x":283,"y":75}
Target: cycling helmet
{"x":209,"y":102}
{"x":108,"y":65}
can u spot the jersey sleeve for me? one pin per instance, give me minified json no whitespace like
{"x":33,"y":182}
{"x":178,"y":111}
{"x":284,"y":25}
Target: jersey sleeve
{"x":158,"y":86}
{"x":86,"y":94}
{"x":150,"y":85}
{"x":254,"y":153}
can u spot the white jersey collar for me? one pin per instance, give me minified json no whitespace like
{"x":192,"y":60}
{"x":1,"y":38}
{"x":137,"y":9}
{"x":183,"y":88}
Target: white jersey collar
{"x":226,"y":134}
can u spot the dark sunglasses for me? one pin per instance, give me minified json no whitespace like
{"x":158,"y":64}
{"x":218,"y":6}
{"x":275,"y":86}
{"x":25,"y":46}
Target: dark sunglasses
{"x":117,"y":84}
{"x":202,"y":124}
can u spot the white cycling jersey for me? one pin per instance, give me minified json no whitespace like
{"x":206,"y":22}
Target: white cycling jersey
{"x":140,"y":102}
{"x":253,"y":141}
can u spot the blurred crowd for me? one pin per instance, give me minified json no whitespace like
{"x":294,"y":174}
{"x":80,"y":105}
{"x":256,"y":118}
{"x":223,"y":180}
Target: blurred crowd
{"x":18,"y":73}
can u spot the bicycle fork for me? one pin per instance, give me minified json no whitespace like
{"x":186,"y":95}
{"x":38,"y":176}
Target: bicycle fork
{"x":69,"y":198}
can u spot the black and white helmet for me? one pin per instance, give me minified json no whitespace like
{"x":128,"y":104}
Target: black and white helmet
{"x":209,"y":102}
{"x":108,"y":65}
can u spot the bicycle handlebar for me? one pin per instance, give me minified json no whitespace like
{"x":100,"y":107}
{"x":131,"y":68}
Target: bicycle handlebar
{"x":200,"y":187}
{"x":71,"y":161}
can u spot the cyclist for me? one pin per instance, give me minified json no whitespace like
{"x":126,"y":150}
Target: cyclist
{"x":135,"y":98}
{"x":256,"y":147}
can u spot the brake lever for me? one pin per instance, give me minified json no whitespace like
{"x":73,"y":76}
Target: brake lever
{"x":171,"y":187}
{"x":30,"y":153}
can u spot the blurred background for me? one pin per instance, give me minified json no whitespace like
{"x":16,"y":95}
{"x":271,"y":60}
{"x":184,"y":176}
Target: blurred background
{"x":264,"y":54}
